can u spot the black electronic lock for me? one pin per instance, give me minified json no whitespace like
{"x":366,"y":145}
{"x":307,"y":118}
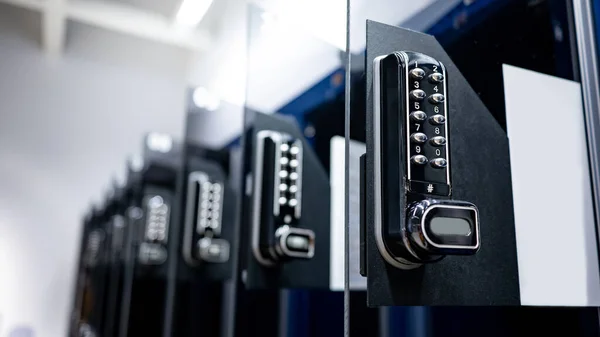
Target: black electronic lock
{"x":206,"y":242}
{"x":430,"y":142}
{"x":203,"y":220}
{"x":416,"y":220}
{"x":95,"y":261}
{"x":277,"y":200}
{"x":209,"y":211}
{"x":151,"y":217}
{"x":158,"y":166}
{"x":117,"y":228}
{"x":153,"y":248}
{"x":82,"y":276}
{"x":286,"y":207}
{"x":92,"y":242}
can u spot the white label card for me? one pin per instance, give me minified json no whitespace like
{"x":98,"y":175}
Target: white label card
{"x":552,"y":193}
{"x":337,"y":174}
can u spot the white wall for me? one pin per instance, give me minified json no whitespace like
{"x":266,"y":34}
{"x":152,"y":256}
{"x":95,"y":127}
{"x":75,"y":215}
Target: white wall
{"x":66,"y":125}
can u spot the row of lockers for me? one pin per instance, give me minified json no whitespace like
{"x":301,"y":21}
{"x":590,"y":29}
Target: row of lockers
{"x":191,"y":225}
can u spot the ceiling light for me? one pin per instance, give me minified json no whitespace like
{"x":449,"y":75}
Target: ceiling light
{"x":205,"y":99}
{"x":191,"y":12}
{"x":159,"y":142}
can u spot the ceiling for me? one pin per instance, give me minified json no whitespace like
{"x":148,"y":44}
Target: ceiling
{"x":168,"y":8}
{"x":148,"y":19}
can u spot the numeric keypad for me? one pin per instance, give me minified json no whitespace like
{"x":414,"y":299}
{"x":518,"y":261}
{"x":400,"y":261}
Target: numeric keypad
{"x":204,"y":211}
{"x":410,"y":202}
{"x":427,"y":139}
{"x":277,"y":200}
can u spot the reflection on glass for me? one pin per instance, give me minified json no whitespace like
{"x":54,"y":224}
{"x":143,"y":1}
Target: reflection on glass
{"x":295,"y":71}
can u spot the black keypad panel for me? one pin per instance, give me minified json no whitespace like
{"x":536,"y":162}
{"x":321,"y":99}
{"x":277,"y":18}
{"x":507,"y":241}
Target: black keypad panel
{"x":205,"y":197}
{"x":157,"y":219}
{"x":279,"y":173}
{"x":204,"y":211}
{"x":288,"y":187}
{"x":152,"y":250}
{"x":426,"y":118}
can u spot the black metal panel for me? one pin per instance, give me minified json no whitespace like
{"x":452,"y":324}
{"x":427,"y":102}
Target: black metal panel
{"x":481,"y":174}
{"x":149,"y":288}
{"x":313,"y":273}
{"x":212,"y":271}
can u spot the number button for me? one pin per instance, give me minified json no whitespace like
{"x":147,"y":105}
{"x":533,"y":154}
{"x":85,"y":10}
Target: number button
{"x":436,"y":98}
{"x":438,"y":141}
{"x":418,"y":116}
{"x":436,"y":78}
{"x":437,"y":119}
{"x":418,"y":138}
{"x":439,"y":163}
{"x":417,"y":73}
{"x":417,"y":94}
{"x":418,"y":159}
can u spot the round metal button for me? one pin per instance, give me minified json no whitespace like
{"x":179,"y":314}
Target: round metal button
{"x":417,"y":73}
{"x":439,"y":163}
{"x":419,"y":159}
{"x":436,"y":98}
{"x":418,"y":115}
{"x":438,"y":141}
{"x":417,"y":94}
{"x":437,"y":119}
{"x":436,"y":78}
{"x":418,"y":137}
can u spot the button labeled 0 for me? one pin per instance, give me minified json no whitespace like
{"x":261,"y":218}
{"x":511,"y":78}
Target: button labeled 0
{"x":439,"y":163}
